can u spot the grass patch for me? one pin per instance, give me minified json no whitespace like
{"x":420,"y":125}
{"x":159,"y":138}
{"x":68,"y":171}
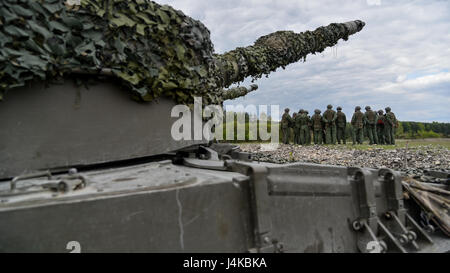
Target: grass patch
{"x":401,"y":143}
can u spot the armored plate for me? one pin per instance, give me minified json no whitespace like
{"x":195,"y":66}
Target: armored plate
{"x":67,"y":125}
{"x":162,"y":207}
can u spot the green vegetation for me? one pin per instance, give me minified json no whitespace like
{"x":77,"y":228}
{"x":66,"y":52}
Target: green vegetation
{"x":250,"y":135}
{"x":414,"y":130}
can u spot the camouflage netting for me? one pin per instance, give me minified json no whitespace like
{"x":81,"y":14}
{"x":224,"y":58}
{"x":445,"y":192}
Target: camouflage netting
{"x":280,"y":49}
{"x":155,"y":50}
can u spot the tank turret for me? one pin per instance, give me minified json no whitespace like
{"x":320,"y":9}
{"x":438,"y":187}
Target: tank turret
{"x":155,"y":50}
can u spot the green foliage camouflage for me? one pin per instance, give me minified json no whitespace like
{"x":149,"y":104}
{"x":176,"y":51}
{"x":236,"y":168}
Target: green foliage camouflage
{"x":154,"y":49}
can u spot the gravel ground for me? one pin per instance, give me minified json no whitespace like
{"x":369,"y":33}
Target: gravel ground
{"x":411,"y":162}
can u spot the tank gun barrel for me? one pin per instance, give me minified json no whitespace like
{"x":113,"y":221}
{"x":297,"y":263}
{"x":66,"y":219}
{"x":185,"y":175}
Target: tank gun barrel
{"x":279,"y":49}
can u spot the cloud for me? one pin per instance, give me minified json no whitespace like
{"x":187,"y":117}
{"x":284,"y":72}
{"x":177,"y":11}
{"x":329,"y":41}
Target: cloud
{"x":428,"y":81}
{"x":400,"y":59}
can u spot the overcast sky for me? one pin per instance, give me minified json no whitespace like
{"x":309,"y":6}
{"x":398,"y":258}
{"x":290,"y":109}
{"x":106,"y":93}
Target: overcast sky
{"x":400,"y":59}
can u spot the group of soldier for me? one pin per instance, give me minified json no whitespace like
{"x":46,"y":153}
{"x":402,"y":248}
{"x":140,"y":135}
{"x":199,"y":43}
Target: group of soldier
{"x":330,"y":127}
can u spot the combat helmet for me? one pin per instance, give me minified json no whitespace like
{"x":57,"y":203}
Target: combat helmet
{"x":357,"y":108}
{"x":329,"y":106}
{"x":380,"y":112}
{"x":339,"y":108}
{"x":317,"y":111}
{"x":367,"y":108}
{"x":286,"y":110}
{"x":388,"y":109}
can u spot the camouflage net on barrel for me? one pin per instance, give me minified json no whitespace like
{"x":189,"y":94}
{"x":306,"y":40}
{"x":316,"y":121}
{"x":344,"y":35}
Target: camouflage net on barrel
{"x":155,"y":50}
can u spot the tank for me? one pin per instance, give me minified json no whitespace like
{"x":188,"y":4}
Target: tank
{"x":88,"y":164}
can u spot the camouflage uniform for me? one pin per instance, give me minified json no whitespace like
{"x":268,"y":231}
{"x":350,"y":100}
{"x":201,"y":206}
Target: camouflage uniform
{"x":316,"y":123}
{"x":294,"y":120}
{"x":303,"y":122}
{"x":341,"y":123}
{"x":370,"y":121}
{"x":358,"y":124}
{"x":286,"y":123}
{"x":329,"y":117}
{"x":308,"y":134}
{"x":297,"y":125}
{"x":380,"y":127}
{"x":389,"y":125}
{"x":324,"y":135}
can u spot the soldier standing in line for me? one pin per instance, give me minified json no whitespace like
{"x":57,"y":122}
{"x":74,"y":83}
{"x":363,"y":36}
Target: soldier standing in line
{"x":308,"y":134}
{"x":370,"y":121}
{"x":316,"y":122}
{"x":297,"y":126}
{"x":389,"y":125}
{"x":329,"y":117}
{"x":303,"y":123}
{"x":341,"y":123}
{"x":358,"y":124}
{"x":324,"y":139}
{"x":380,"y":127}
{"x":286,"y":123}
{"x":294,"y":117}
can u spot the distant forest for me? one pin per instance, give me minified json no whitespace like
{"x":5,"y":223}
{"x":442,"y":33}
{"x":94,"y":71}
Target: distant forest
{"x":412,"y":129}
{"x":405,"y":130}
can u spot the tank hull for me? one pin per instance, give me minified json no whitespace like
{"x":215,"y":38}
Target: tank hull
{"x":162,"y":207}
